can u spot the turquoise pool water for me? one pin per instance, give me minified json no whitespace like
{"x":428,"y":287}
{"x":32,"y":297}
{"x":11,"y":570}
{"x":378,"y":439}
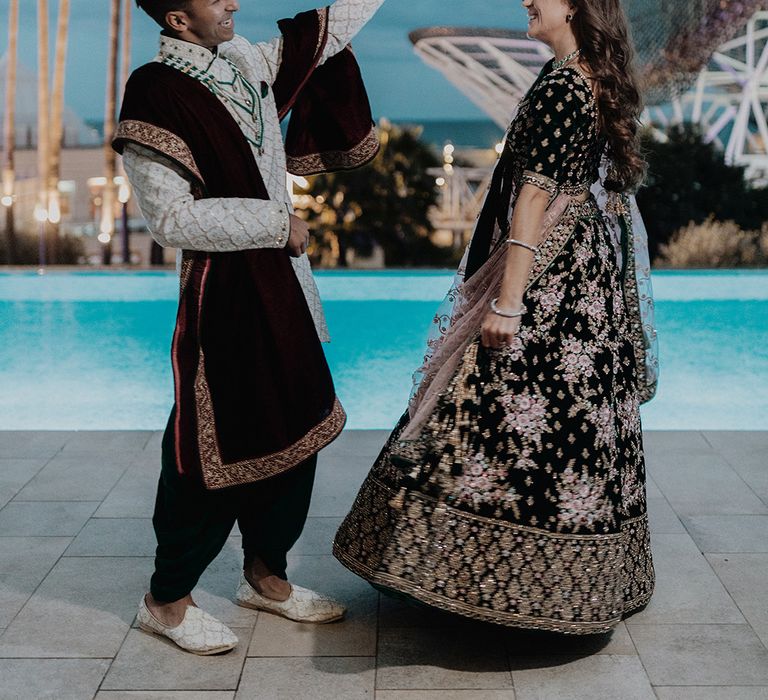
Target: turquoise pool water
{"x":90,"y":350}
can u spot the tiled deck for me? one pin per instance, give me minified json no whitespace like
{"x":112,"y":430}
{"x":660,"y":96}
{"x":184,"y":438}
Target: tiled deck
{"x":76,"y":549}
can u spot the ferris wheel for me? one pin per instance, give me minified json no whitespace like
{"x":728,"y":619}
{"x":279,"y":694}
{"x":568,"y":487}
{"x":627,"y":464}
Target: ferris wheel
{"x":702,"y":61}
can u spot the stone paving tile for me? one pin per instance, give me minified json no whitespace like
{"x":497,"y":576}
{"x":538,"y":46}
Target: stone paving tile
{"x":725,"y":441}
{"x":32,"y":444}
{"x":729,"y":533}
{"x":711,"y":693}
{"x":360,"y":443}
{"x":595,"y":677}
{"x":354,"y":636}
{"x":107,"y":442}
{"x":663,"y":519}
{"x":115,"y":537}
{"x":525,"y":643}
{"x":165,"y":695}
{"x":83,"y":608}
{"x":761,"y":630}
{"x":57,"y":679}
{"x":753,"y":468}
{"x":419,"y":659}
{"x":745,"y":576}
{"x":24,"y":563}
{"x":702,"y":483}
{"x":134,"y":495}
{"x":149,"y":662}
{"x":75,"y":478}
{"x":155,"y":443}
{"x":701,"y":654}
{"x":337,"y":483}
{"x":45,"y":518}
{"x":14,"y":475}
{"x":317,"y":537}
{"x":445,"y":694}
{"x":687,"y":590}
{"x":340,"y":678}
{"x":674,"y":441}
{"x":394,"y":613}
{"x":216,"y":590}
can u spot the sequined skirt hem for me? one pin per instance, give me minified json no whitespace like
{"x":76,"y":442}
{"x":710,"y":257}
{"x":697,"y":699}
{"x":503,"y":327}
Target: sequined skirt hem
{"x":494,"y":571}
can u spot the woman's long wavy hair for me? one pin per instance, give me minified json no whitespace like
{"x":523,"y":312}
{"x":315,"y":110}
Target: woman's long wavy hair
{"x":602,"y":32}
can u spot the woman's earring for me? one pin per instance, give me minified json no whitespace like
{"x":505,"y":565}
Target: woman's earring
{"x":569,"y":18}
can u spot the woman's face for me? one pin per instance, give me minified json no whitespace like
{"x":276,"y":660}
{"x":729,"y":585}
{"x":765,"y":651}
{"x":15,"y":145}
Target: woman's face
{"x":547,"y":18}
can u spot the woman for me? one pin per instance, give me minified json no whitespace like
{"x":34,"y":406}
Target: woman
{"x":513,"y":490}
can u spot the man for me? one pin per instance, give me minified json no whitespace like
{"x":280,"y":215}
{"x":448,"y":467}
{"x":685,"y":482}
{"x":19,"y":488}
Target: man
{"x":254,"y":401}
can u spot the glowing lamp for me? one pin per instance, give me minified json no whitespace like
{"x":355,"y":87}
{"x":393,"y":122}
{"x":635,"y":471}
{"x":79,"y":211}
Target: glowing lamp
{"x":440,"y":182}
{"x":104,"y":238}
{"x":7,"y":201}
{"x":54,"y":212}
{"x":124,"y":193}
{"x":41,"y":214}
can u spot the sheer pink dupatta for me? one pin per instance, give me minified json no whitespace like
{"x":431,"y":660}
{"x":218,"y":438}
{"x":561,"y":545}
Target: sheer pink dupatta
{"x":457,"y":322}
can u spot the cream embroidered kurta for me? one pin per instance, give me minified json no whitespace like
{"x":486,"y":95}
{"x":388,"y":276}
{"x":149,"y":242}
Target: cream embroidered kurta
{"x":163,"y":192}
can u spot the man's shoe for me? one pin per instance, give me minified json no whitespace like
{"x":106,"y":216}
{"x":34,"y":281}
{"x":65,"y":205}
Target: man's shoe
{"x":302,"y":605}
{"x":199,"y":633}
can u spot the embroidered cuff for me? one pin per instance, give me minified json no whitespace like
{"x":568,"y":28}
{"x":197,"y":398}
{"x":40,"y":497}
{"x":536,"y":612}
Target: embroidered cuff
{"x":283,"y":227}
{"x":541,"y":181}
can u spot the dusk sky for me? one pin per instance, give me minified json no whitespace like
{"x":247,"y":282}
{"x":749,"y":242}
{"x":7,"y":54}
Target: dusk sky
{"x":400,"y":85}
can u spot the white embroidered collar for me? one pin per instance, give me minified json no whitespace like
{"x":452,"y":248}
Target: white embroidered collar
{"x":198,"y":56}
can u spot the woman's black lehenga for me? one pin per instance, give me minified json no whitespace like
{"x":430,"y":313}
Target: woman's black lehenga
{"x":519,"y":498}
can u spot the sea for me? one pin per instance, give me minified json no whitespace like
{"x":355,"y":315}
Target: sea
{"x":479,"y":133}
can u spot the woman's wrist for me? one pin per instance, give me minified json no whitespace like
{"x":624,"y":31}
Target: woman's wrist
{"x":512,"y":301}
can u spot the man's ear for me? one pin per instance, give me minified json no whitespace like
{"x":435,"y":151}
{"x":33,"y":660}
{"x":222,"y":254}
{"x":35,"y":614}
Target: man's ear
{"x":176,"y":21}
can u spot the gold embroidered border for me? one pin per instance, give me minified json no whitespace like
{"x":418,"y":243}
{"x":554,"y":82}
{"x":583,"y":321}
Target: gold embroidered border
{"x":493,"y":570}
{"x":541,"y":181}
{"x":322,"y":19}
{"x":550,"y":247}
{"x":330,"y":161}
{"x":160,"y":140}
{"x":218,"y":475}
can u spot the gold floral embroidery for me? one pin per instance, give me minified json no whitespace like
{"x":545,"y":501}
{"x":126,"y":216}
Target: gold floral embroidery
{"x":495,"y":571}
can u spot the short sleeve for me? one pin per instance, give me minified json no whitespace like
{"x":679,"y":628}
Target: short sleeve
{"x":560,"y":119}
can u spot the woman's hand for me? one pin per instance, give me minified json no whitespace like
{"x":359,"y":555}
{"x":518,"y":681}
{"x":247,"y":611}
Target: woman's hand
{"x":499,"y":331}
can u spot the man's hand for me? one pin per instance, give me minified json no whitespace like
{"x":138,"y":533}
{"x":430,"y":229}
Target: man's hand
{"x":299,"y":237}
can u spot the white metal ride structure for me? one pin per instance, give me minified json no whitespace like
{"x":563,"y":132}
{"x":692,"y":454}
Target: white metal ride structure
{"x":730,"y":100}
{"x":495,"y":68}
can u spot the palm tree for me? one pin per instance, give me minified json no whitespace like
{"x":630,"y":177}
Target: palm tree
{"x":107,"y":227}
{"x":9,"y":131}
{"x":43,"y":106}
{"x":57,"y":121}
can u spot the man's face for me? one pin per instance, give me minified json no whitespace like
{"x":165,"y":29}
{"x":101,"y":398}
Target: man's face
{"x":206,"y":22}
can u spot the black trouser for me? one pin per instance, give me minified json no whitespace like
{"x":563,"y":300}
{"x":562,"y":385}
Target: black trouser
{"x":192,"y":523}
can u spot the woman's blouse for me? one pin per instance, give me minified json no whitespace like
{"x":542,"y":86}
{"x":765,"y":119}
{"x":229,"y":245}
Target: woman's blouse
{"x":555,"y":138}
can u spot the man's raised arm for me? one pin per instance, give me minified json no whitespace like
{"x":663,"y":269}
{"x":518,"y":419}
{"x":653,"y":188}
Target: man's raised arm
{"x":345,"y":19}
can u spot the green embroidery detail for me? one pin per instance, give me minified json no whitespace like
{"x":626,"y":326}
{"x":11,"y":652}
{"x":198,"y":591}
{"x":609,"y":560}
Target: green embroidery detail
{"x":238,"y":92}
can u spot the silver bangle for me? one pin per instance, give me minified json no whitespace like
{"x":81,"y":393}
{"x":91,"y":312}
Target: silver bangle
{"x":514,"y":241}
{"x":507,"y":314}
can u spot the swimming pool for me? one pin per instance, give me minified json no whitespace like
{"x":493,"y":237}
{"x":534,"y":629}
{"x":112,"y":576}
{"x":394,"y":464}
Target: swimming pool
{"x":89,"y":350}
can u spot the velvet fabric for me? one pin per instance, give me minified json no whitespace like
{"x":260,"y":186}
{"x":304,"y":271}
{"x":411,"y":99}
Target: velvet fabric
{"x":254,"y":394}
